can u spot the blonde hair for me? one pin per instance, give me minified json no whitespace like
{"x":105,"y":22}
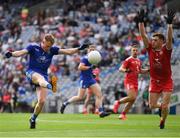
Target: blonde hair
{"x":50,"y":38}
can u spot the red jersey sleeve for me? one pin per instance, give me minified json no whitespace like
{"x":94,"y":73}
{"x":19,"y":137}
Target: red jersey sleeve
{"x":125,"y":64}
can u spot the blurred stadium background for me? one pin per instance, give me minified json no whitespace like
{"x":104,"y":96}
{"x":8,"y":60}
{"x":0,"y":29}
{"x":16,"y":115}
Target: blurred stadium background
{"x":110,"y":24}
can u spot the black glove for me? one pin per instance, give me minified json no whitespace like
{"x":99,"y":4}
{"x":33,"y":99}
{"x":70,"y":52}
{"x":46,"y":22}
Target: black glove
{"x":8,"y":54}
{"x":140,"y":16}
{"x":85,"y":44}
{"x":170,"y":16}
{"x":94,"y":76}
{"x":93,"y":67}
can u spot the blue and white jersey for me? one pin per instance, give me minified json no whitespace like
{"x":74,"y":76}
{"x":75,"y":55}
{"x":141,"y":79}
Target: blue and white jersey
{"x":39,"y":60}
{"x":86,"y":75}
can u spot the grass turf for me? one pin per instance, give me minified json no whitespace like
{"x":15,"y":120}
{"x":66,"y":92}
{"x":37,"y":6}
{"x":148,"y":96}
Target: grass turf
{"x":78,"y":125}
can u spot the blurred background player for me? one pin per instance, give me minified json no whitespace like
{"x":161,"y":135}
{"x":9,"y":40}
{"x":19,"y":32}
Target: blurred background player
{"x":87,"y":81}
{"x":39,"y":62}
{"x":89,"y":94}
{"x":159,"y":50}
{"x":132,"y":67}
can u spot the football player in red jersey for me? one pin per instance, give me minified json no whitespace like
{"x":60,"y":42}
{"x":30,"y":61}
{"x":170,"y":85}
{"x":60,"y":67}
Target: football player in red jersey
{"x":132,"y":67}
{"x":159,"y":51}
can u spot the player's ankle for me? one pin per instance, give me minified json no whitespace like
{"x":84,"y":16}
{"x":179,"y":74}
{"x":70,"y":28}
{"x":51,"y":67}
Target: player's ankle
{"x":49,"y":86}
{"x":124,"y":113}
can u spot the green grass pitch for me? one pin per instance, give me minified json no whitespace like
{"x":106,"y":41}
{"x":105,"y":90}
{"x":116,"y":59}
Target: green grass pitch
{"x":78,"y":125}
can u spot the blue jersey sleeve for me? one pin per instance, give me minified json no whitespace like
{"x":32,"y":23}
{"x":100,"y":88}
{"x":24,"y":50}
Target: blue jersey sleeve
{"x":85,"y":61}
{"x":54,"y":50}
{"x":29,"y":48}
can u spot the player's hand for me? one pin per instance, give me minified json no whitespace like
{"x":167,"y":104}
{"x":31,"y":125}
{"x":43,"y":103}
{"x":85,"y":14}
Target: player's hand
{"x":141,"y":15}
{"x":85,"y":44}
{"x":170,"y":16}
{"x":8,"y":54}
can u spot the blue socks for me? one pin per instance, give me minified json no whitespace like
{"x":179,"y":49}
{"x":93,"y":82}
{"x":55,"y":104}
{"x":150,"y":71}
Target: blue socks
{"x":49,"y":86}
{"x":66,"y":103}
{"x":101,"y":109}
{"x":33,"y":117}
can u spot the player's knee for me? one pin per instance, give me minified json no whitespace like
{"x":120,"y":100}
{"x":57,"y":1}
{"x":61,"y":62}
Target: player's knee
{"x":99,"y":96}
{"x":132,"y":98}
{"x":41,"y":102}
{"x":164,"y":106}
{"x":152,"y":105}
{"x":42,"y":83}
{"x":80,"y":97}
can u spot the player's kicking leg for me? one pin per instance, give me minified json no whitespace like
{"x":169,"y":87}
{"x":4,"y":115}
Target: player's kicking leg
{"x":42,"y":81}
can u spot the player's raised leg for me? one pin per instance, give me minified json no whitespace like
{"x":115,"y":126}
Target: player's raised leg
{"x":39,"y":79}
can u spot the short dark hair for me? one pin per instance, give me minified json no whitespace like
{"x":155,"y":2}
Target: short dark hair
{"x":134,"y":45}
{"x":159,"y":35}
{"x":50,"y":38}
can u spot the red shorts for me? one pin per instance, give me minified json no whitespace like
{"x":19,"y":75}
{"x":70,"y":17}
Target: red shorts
{"x":128,"y":86}
{"x":157,"y":86}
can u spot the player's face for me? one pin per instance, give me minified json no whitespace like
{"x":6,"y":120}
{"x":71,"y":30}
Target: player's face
{"x":156,"y":42}
{"x":134,"y":52}
{"x":46,"y":43}
{"x":91,"y":48}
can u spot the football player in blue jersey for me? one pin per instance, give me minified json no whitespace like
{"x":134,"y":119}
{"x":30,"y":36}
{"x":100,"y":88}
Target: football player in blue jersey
{"x":40,"y":57}
{"x":87,"y":80}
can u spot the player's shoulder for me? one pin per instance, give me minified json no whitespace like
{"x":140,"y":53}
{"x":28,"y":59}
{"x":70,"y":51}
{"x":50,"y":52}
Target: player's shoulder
{"x":84,"y":57}
{"x":138,"y":60}
{"x":164,"y":47}
{"x":55,"y":46}
{"x":34,"y":44}
{"x":129,"y":58}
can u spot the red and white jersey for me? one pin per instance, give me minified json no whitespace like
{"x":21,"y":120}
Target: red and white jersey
{"x":160,"y":65}
{"x":134,"y":65}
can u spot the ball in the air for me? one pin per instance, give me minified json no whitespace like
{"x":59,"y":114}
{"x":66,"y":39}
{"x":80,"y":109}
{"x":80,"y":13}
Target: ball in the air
{"x":94,"y":57}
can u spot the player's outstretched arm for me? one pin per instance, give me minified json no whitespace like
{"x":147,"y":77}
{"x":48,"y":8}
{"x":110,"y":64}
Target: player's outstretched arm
{"x":140,"y":17}
{"x":169,"y":19}
{"x":16,"y":53}
{"x":68,"y":51}
{"x":71,"y":51}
